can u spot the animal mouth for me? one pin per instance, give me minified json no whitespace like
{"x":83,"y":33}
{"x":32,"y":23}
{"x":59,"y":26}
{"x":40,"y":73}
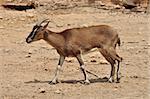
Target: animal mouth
{"x":28,"y":40}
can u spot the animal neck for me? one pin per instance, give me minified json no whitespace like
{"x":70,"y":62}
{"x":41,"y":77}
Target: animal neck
{"x":54,"y":39}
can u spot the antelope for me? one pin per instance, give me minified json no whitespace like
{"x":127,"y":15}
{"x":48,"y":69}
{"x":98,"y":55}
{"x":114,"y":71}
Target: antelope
{"x":76,"y":41}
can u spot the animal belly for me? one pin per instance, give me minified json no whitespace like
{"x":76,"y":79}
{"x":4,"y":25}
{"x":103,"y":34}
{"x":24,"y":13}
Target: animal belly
{"x":71,"y":53}
{"x":89,"y":51}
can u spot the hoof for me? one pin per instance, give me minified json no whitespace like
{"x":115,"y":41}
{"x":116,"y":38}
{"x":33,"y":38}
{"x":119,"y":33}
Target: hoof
{"x":110,"y":80}
{"x":53,"y":82}
{"x":118,"y":80}
{"x":86,"y":82}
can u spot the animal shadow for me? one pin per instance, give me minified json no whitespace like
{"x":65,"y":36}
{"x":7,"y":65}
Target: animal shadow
{"x":98,"y":80}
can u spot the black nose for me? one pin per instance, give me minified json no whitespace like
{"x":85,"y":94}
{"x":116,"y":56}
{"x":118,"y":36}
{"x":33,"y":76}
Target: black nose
{"x":28,"y":40}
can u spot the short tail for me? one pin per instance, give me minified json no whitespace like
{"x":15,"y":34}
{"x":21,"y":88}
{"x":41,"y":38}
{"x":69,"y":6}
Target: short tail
{"x":119,"y":42}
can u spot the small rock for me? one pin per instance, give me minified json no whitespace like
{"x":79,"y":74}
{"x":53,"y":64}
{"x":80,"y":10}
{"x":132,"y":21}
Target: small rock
{"x":117,"y":6}
{"x":42,"y":90}
{"x":99,"y":3}
{"x":135,"y":77}
{"x":35,"y":80}
{"x":22,"y":19}
{"x":85,"y":25}
{"x":129,"y":4}
{"x":92,"y":56}
{"x":29,"y":53}
{"x":69,"y":61}
{"x":60,"y":25}
{"x":103,"y":62}
{"x":68,"y":24}
{"x":143,"y":40}
{"x":139,"y":9}
{"x":1,"y":17}
{"x":115,"y":89}
{"x":46,"y":69}
{"x":93,"y":60}
{"x":127,"y":64}
{"x":30,"y":10}
{"x":27,"y":56}
{"x":132,"y":42}
{"x":58,"y":91}
{"x":106,"y":78}
{"x":6,"y":50}
{"x":145,"y":47}
{"x":126,"y":81}
{"x":30,"y":15}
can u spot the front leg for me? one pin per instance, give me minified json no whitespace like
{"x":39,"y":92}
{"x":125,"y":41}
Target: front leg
{"x":80,"y":60}
{"x":58,"y":69}
{"x":112,"y":75}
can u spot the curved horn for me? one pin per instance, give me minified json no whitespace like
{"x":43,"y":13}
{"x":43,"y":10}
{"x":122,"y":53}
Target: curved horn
{"x":40,"y":22}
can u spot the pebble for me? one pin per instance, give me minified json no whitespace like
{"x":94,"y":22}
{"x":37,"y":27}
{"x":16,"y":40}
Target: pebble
{"x":29,"y":53}
{"x":46,"y":69}
{"x":69,"y":61}
{"x":140,"y":9}
{"x":84,"y":25}
{"x":1,"y":17}
{"x":117,"y":6}
{"x":42,"y":90}
{"x":103,"y":62}
{"x":22,"y":19}
{"x":101,"y":3}
{"x":58,"y":91}
{"x":115,"y":89}
{"x":6,"y":50}
{"x":93,"y":60}
{"x":60,"y":24}
{"x":134,"y":77}
{"x":30,"y":15}
{"x":36,"y":80}
{"x":27,"y":56}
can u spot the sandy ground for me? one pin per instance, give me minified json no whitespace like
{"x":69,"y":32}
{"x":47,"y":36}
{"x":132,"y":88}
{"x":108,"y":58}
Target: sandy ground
{"x":26,"y":69}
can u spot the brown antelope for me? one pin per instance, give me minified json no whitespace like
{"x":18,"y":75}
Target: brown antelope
{"x":74,"y":42}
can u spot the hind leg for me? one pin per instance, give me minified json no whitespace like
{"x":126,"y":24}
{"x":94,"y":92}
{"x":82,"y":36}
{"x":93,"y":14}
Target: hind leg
{"x":115,"y":57}
{"x":118,"y":68}
{"x":117,"y":73}
{"x":108,"y":57}
{"x":112,"y":74}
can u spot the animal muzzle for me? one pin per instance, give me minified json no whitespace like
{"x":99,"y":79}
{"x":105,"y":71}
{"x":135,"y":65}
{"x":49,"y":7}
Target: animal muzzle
{"x":29,"y":40}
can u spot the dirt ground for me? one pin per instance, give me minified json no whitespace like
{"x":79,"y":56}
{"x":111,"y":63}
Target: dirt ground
{"x":26,"y":69}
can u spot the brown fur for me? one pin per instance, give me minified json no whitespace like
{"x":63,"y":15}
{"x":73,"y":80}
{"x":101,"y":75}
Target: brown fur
{"x":74,"y":41}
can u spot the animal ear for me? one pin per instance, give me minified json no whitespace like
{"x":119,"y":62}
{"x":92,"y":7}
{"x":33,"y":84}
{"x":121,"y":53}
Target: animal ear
{"x":45,"y":26}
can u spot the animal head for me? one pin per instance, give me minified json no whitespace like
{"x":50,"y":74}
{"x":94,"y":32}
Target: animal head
{"x":37,"y":32}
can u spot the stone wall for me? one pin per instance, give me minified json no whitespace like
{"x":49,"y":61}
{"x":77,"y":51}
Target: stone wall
{"x":142,"y":3}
